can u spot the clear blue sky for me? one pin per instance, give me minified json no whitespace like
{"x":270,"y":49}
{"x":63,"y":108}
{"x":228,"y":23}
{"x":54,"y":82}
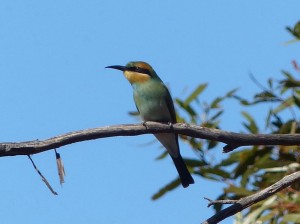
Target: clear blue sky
{"x":52,"y":59}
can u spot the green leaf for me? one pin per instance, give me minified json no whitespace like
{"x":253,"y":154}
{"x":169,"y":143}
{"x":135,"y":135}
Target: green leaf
{"x":287,"y":103}
{"x":215,"y":103}
{"x":231,"y":92}
{"x":247,"y":158}
{"x":195,"y":94}
{"x":240,"y":191}
{"x":212,"y":144}
{"x":286,"y":127}
{"x":242,"y":101}
{"x":297,"y":91}
{"x":265,"y":218}
{"x":187,"y":108}
{"x":233,"y":158}
{"x":252,"y":127}
{"x":245,"y":176}
{"x":278,"y":122}
{"x":287,"y":74}
{"x":209,"y":124}
{"x":245,"y":102}
{"x":266,"y":95}
{"x":266,"y":179}
{"x":254,"y":214}
{"x":218,"y":207}
{"x":295,"y":31}
{"x":290,"y":82}
{"x":214,"y":173}
{"x":292,"y":217}
{"x":270,"y":82}
{"x":265,"y":162}
{"x":134,"y":113}
{"x":268,"y":118}
{"x":292,"y":41}
{"x":162,"y":156}
{"x":171,"y":186}
{"x":297,"y":100}
{"x":290,"y":157}
{"x":194,"y":163}
{"x":216,"y":115}
{"x":195,"y":143}
{"x":179,"y":118}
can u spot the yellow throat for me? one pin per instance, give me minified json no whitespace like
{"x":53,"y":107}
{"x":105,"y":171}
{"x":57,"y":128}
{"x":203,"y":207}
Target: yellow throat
{"x":136,"y":77}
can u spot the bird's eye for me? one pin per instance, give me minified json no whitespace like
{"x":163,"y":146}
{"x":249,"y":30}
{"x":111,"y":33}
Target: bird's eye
{"x":139,"y":69}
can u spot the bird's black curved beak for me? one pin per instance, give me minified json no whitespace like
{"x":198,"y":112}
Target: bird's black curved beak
{"x":118,"y":67}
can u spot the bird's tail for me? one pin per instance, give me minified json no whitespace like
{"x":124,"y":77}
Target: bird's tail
{"x":184,"y":174}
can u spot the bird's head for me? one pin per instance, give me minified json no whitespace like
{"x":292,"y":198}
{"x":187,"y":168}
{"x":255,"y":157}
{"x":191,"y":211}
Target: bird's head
{"x":136,"y":72}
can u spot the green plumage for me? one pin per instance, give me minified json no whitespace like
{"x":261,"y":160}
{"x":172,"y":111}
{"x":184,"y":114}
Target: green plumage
{"x":154,"y":103}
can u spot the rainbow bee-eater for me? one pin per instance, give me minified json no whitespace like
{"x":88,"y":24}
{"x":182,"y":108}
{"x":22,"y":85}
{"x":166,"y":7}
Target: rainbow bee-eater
{"x":154,"y":103}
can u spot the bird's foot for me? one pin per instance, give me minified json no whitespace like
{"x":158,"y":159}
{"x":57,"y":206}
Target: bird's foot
{"x":170,"y":124}
{"x":145,"y":124}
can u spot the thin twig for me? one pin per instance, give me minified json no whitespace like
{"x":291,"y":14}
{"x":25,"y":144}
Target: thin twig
{"x":42,"y":176}
{"x":213,"y":202}
{"x":252,"y":77}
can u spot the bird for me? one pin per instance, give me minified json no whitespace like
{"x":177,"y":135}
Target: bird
{"x":154,"y":103}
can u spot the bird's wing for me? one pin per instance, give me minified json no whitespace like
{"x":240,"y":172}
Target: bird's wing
{"x":134,"y":97}
{"x":170,"y":140}
{"x":170,"y":105}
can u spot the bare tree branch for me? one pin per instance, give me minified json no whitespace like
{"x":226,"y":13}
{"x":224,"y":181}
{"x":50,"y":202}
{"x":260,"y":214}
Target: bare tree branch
{"x":231,"y":139}
{"x":213,"y":202}
{"x":245,"y":202}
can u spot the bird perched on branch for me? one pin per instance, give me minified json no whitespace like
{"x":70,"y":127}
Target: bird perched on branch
{"x":154,"y":103}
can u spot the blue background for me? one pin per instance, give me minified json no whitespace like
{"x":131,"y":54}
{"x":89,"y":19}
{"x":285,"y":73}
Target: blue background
{"x":52,"y":59}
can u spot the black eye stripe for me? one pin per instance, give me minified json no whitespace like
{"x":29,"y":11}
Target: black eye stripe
{"x":140,"y":70}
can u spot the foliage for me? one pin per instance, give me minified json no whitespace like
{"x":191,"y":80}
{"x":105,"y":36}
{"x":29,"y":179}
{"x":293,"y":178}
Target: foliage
{"x":295,"y":31}
{"x":253,"y":168}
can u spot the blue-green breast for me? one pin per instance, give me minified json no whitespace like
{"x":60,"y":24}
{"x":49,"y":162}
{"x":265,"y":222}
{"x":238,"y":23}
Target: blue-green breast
{"x":152,"y":101}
